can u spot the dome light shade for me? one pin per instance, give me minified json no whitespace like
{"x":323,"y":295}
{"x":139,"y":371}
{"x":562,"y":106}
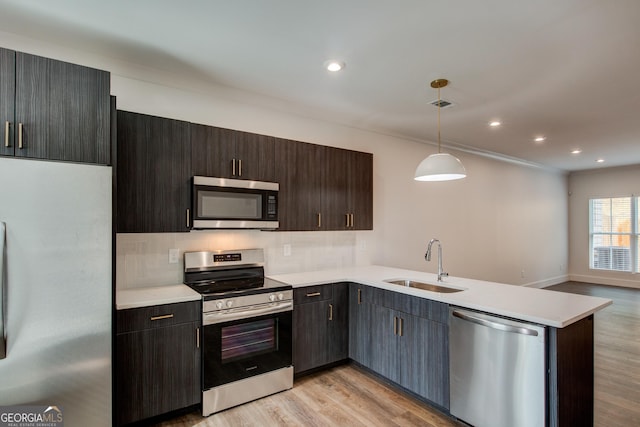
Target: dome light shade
{"x":440,"y":167}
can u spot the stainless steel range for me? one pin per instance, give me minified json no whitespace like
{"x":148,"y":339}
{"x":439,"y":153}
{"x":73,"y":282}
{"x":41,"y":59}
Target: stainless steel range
{"x":246,"y":327}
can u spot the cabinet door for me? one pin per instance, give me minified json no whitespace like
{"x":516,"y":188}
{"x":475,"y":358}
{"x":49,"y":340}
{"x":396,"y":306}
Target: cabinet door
{"x":213,"y":150}
{"x":300,"y":175}
{"x":62,"y":111}
{"x":335,"y":206}
{"x":360,"y":190}
{"x":359,"y":344}
{"x":153,"y":174}
{"x":157,"y":371}
{"x":255,"y":157}
{"x":424,"y":359}
{"x":339,"y":323}
{"x":310,"y":335}
{"x":7,"y":99}
{"x":228,"y":153}
{"x":385,"y":327}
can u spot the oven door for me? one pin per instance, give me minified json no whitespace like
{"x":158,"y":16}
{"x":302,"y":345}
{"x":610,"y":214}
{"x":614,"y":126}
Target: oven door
{"x":244,"y":348}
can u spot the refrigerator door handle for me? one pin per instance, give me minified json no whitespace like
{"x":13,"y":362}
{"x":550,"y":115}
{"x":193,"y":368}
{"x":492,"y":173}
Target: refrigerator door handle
{"x":494,"y":324}
{"x":3,"y":295}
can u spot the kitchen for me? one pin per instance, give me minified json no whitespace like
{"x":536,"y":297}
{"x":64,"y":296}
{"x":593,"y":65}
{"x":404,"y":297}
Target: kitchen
{"x":469,"y":216}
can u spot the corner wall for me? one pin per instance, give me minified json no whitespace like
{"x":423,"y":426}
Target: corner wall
{"x":585,"y":185}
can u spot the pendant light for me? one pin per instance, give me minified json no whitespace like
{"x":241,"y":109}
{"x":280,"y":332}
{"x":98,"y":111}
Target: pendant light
{"x":440,"y":166}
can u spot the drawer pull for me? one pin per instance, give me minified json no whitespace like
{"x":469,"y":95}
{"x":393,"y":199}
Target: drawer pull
{"x":359,"y":296}
{"x":6,"y":133}
{"x":330,"y":311}
{"x":197,"y":337}
{"x":314,"y":294}
{"x":165,"y":316}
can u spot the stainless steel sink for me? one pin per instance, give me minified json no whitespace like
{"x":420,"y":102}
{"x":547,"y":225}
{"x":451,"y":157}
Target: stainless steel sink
{"x":422,"y":285}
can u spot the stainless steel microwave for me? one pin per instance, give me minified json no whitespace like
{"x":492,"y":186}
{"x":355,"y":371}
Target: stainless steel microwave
{"x":234,"y":203}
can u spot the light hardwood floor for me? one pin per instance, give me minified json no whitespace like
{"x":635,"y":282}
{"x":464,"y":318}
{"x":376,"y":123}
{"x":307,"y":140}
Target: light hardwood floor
{"x":347,"y":396}
{"x":617,"y":354}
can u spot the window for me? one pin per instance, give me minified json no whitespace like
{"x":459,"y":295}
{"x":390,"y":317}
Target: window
{"x":613,"y":234}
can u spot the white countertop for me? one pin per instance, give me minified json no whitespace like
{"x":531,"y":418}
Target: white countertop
{"x":154,"y":295}
{"x":551,"y":308}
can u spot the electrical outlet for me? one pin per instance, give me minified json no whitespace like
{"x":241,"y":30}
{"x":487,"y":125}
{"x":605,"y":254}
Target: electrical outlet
{"x":174,"y":254}
{"x":287,"y":250}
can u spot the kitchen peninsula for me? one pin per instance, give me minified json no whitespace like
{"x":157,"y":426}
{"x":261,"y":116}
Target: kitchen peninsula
{"x":404,"y":335}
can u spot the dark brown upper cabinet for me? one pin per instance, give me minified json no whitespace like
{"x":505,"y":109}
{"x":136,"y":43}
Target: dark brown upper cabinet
{"x":324,"y":188}
{"x":53,"y":110}
{"x":227,"y":153}
{"x":153,"y":174}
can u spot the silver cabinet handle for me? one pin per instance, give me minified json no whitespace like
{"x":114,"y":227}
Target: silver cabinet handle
{"x":395,"y":325}
{"x":3,"y":302}
{"x":164,"y":316}
{"x":197,"y":337}
{"x":494,"y":325}
{"x":188,"y":218}
{"x":314,"y":294}
{"x":240,"y":167}
{"x":359,"y":296}
{"x":400,"y":324}
{"x":347,"y":215}
{"x":351,"y":220}
{"x":319,"y":220}
{"x":233,"y":167}
{"x":6,"y":133}
{"x":20,"y":126}
{"x":330,"y":311}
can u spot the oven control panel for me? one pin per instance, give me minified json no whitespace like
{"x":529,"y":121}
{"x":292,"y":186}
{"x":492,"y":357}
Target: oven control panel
{"x":231,"y":302}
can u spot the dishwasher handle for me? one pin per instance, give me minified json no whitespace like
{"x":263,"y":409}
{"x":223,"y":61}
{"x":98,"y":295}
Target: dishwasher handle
{"x":494,"y":324}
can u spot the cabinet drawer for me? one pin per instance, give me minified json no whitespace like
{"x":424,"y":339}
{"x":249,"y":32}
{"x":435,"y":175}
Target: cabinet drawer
{"x":157,"y":316}
{"x":312,"y":294}
{"x":416,"y":306}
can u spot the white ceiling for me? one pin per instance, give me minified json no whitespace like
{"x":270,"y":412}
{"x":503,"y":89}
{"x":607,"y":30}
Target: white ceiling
{"x":566,"y":69}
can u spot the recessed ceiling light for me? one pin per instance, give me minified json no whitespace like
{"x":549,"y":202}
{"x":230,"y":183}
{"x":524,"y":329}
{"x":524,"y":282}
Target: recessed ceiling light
{"x":600,"y":161}
{"x":540,"y":138}
{"x":576,"y":151}
{"x":495,"y":123}
{"x":334,"y":66}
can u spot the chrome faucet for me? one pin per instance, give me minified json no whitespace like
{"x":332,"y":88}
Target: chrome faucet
{"x":427,"y":257}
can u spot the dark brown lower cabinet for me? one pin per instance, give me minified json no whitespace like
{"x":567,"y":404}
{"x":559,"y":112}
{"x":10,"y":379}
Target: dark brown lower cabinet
{"x":402,"y":338}
{"x":157,"y":361}
{"x":321,"y":329}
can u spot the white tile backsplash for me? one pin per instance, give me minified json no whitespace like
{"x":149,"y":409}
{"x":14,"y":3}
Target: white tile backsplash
{"x":143,"y":259}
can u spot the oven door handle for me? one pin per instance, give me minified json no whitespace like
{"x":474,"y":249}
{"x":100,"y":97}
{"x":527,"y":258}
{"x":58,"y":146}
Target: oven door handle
{"x":246,"y":312}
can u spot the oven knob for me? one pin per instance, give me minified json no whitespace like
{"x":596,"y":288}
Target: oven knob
{"x":272,"y":298}
{"x":219,"y":304}
{"x":280,"y":297}
{"x":229,"y":304}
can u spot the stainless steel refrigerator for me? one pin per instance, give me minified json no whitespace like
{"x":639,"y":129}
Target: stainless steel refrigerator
{"x":55,"y":328}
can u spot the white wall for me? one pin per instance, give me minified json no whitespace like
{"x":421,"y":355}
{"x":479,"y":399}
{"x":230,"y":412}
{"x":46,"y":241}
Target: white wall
{"x":610,"y":182}
{"x":505,"y":222}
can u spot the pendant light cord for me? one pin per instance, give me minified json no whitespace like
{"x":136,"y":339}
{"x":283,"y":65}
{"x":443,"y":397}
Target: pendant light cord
{"x":439,"y":106}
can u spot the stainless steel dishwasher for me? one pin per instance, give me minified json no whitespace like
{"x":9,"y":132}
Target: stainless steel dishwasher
{"x":497,"y":370}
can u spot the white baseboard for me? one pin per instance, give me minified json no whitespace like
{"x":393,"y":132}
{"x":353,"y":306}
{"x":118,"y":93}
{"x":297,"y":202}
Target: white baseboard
{"x":548,"y":282}
{"x":606,"y":281}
